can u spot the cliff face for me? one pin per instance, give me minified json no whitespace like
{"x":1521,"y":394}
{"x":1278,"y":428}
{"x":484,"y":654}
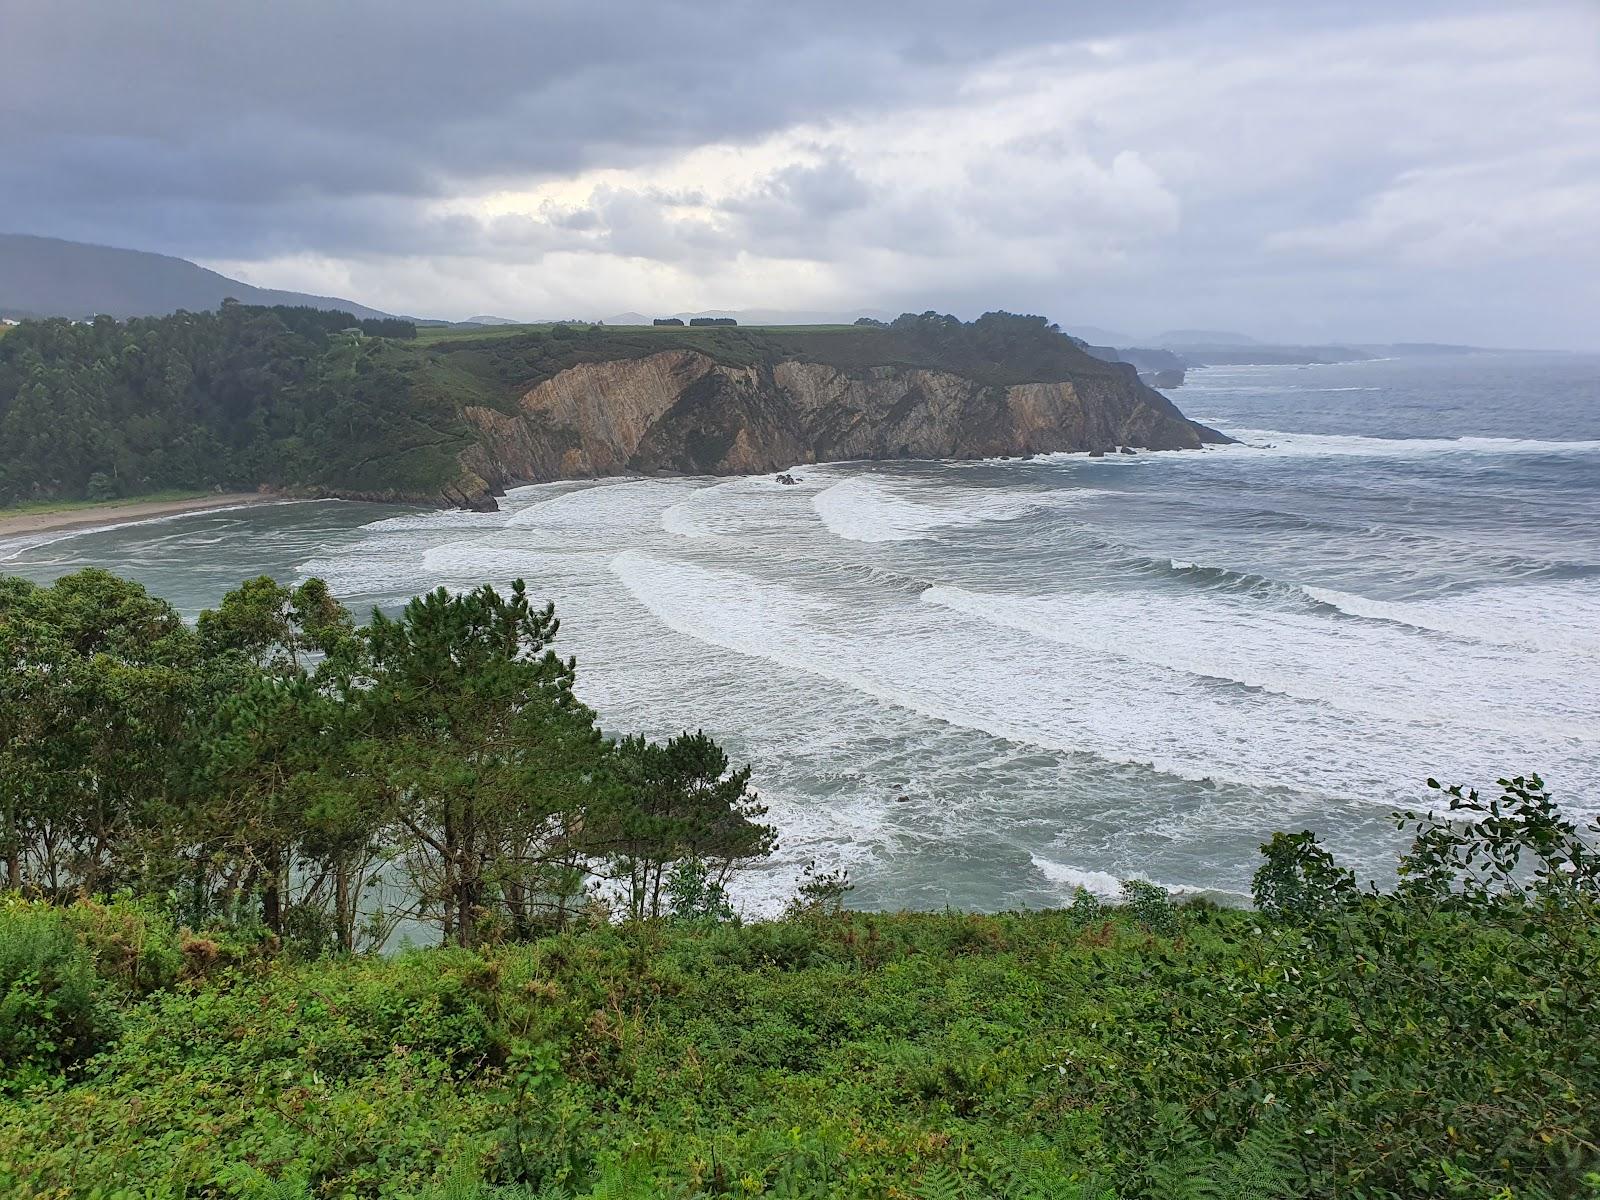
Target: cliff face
{"x":681,"y":412}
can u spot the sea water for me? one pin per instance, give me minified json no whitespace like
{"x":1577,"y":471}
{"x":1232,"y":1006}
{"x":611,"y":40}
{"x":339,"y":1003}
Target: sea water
{"x":987,"y":684}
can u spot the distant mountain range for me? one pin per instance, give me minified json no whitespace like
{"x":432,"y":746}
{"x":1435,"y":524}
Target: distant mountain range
{"x":1095,"y":335}
{"x":1203,"y":337}
{"x":49,"y":277}
{"x":52,"y":277}
{"x":1164,"y":359}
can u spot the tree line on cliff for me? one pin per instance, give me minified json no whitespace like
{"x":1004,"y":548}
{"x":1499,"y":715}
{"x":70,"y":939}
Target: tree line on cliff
{"x":233,"y":398}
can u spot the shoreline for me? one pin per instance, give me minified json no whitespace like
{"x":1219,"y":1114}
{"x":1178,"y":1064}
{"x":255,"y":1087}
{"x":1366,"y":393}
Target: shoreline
{"x":123,"y":512}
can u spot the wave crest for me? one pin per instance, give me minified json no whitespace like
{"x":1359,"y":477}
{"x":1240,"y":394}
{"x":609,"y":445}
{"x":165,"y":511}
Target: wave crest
{"x":862,"y":509}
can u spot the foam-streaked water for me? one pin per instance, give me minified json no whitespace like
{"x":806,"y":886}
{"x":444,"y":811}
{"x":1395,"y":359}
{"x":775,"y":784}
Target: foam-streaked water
{"x":984,"y":684}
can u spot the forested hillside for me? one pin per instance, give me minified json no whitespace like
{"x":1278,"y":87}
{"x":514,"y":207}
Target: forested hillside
{"x":236,"y":398}
{"x":315,"y":402}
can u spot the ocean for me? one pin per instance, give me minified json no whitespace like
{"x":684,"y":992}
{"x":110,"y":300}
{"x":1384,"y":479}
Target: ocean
{"x":984,"y":684}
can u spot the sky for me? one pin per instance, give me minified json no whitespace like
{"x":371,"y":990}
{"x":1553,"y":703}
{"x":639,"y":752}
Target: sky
{"x":1315,"y":171}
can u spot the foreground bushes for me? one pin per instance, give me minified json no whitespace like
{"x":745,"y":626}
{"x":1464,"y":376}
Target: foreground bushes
{"x":62,"y":970}
{"x":53,"y":1011}
{"x":1050,"y":1054}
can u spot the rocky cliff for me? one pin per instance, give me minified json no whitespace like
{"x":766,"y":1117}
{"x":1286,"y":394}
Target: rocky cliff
{"x":680,"y":411}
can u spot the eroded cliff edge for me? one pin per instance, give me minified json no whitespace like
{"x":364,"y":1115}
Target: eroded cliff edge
{"x":680,"y":411}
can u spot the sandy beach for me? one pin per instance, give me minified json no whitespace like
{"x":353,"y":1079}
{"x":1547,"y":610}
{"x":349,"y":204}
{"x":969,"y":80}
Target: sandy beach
{"x":21,"y":524}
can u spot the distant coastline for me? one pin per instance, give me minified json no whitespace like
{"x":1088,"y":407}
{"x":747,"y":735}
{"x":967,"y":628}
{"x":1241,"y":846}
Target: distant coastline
{"x":118,"y":512}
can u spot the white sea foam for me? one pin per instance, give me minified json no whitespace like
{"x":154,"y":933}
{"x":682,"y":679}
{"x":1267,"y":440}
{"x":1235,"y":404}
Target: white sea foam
{"x":377,"y":564}
{"x":1378,"y":670}
{"x":744,"y":508}
{"x":1560,"y":617}
{"x":864,"y":509}
{"x":437,"y":521}
{"x":486,"y":562}
{"x":1318,"y":445}
{"x":601,"y":509}
{"x":1070,"y":878}
{"x":16,"y":547}
{"x":1093,"y":693}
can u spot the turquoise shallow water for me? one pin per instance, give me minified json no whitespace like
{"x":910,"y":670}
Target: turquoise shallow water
{"x":983,"y":684}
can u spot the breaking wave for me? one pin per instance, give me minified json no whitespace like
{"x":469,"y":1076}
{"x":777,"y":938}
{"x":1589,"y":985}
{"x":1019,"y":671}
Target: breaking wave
{"x":1318,"y":445}
{"x":862,"y":509}
{"x":1180,"y":689}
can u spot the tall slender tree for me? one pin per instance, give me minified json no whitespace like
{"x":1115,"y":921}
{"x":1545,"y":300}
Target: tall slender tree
{"x":481,"y":745}
{"x":681,"y":802}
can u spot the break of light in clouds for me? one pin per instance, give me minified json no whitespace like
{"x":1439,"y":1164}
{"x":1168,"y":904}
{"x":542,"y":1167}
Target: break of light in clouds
{"x":1426,"y":171}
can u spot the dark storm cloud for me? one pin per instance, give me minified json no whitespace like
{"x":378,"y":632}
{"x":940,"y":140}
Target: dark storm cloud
{"x":119,"y":117}
{"x":1343,"y":168}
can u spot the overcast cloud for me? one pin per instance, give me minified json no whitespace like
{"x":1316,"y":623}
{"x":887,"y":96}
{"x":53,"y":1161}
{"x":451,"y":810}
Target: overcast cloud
{"x":1301,"y":172}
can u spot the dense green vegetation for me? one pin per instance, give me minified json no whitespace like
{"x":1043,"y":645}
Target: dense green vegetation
{"x":207,"y":831}
{"x":236,"y":398}
{"x":318,"y":402}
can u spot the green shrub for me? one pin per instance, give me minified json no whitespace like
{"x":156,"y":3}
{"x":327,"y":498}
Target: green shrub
{"x":132,"y":945}
{"x":1513,"y":849}
{"x":1086,"y":908}
{"x":695,"y":895}
{"x":1441,"y":1039}
{"x":819,"y":896}
{"x":52,"y":1013}
{"x":1299,"y":882}
{"x":1151,"y":906}
{"x":308,"y":932}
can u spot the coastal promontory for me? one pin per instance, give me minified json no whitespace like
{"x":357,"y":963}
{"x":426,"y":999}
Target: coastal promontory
{"x":308,"y":403}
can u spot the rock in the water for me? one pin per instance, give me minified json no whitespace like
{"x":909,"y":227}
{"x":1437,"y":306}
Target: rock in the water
{"x":1097,"y":454}
{"x":479,"y":500}
{"x":1127,"y":450}
{"x":787,"y":478}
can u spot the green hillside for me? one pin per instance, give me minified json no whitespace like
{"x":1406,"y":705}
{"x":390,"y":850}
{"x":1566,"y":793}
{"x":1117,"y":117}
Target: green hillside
{"x":319,"y":402}
{"x":52,"y":277}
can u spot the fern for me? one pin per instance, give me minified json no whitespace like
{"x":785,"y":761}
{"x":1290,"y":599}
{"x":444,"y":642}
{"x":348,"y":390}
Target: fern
{"x":250,"y":1181}
{"x":1184,"y":1163}
{"x":806,"y":1174}
{"x":628,"y":1180}
{"x":1188,"y":1167}
{"x":1262,"y":1166}
{"x":460,"y":1187}
{"x":939,"y":1182}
